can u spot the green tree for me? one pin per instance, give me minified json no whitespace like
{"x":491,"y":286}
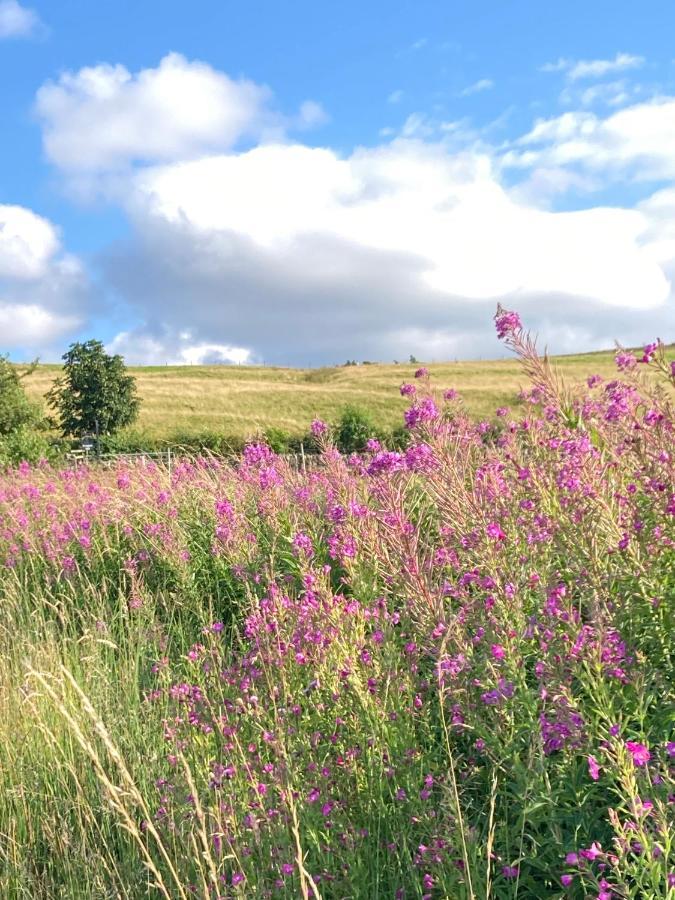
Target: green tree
{"x":95,"y":393}
{"x":16,"y":410}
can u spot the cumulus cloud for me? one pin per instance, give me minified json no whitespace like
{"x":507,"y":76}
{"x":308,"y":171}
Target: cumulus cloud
{"x":275,"y":251}
{"x":634,"y":143}
{"x":104,"y":117}
{"x":17,"y":21}
{"x":299,"y":255}
{"x":43,"y":291}
{"x":143,"y":348}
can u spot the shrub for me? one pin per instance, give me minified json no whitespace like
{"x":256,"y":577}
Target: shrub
{"x":353,"y":430}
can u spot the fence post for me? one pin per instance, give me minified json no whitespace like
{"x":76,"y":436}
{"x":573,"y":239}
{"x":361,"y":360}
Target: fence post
{"x":168,"y":460}
{"x":302,"y":456}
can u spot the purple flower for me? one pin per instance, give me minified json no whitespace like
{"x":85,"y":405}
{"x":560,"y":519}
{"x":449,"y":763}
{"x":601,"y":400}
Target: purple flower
{"x":593,"y":768}
{"x":237,"y":878}
{"x":639,"y":752}
{"x":422,"y":373}
{"x":510,"y":871}
{"x":318,"y":428}
{"x":625,"y":361}
{"x":566,"y":880}
{"x":408,"y":390}
{"x":495,"y":532}
{"x":423,"y":411}
{"x":507,"y":323}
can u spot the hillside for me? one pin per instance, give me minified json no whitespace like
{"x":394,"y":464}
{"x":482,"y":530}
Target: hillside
{"x":239,"y":400}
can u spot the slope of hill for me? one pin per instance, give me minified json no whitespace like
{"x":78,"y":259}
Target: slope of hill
{"x":240,"y":400}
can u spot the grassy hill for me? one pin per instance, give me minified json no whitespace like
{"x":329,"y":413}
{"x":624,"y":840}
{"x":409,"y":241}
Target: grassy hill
{"x":240,"y":400}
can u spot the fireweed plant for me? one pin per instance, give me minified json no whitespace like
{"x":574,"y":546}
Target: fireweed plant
{"x":442,"y":672}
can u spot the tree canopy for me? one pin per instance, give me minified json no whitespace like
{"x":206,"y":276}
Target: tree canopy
{"x":94,"y":393}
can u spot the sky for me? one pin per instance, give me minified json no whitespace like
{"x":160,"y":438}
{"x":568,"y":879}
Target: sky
{"x":310,"y":182}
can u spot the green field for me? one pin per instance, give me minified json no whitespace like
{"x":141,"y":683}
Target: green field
{"x":241,"y":400}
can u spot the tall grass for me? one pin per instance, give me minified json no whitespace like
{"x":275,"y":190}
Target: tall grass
{"x":444,"y":672}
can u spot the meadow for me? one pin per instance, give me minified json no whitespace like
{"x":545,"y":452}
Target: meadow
{"x":240,"y":401}
{"x":440,"y":672}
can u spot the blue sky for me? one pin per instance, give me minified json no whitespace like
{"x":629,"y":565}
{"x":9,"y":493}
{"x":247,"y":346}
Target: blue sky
{"x":304,"y":183}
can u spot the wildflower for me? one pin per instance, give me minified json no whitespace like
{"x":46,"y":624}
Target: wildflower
{"x":422,"y":372}
{"x":408,"y":390}
{"x":497,"y":651}
{"x":423,"y":411}
{"x":593,"y":768}
{"x":510,"y":871}
{"x":625,"y":361}
{"x":495,"y":532}
{"x":639,"y":752}
{"x":507,"y":323}
{"x":318,"y":428}
{"x":566,"y":880}
{"x":450,"y":394}
{"x":593,"y":852}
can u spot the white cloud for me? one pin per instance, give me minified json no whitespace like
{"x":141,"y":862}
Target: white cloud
{"x":104,"y":117}
{"x":299,"y":255}
{"x":43,"y":291}
{"x":174,"y":350}
{"x":395,"y":96}
{"x":27,"y":243}
{"x":634,"y":143}
{"x":16,"y":20}
{"x":594,"y":68}
{"x":288,"y":253}
{"x":31,"y":325}
{"x":485,"y":84}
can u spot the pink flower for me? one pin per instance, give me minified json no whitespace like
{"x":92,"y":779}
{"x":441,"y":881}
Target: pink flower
{"x":639,"y":752}
{"x":495,"y":532}
{"x":498,"y":652}
{"x":507,"y":323}
{"x":593,"y":851}
{"x":318,"y":428}
{"x":566,"y":880}
{"x":593,"y":768}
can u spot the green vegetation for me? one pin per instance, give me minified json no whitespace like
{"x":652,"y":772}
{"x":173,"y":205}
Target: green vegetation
{"x":441,"y":673}
{"x":94,"y":394}
{"x":181,"y":405}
